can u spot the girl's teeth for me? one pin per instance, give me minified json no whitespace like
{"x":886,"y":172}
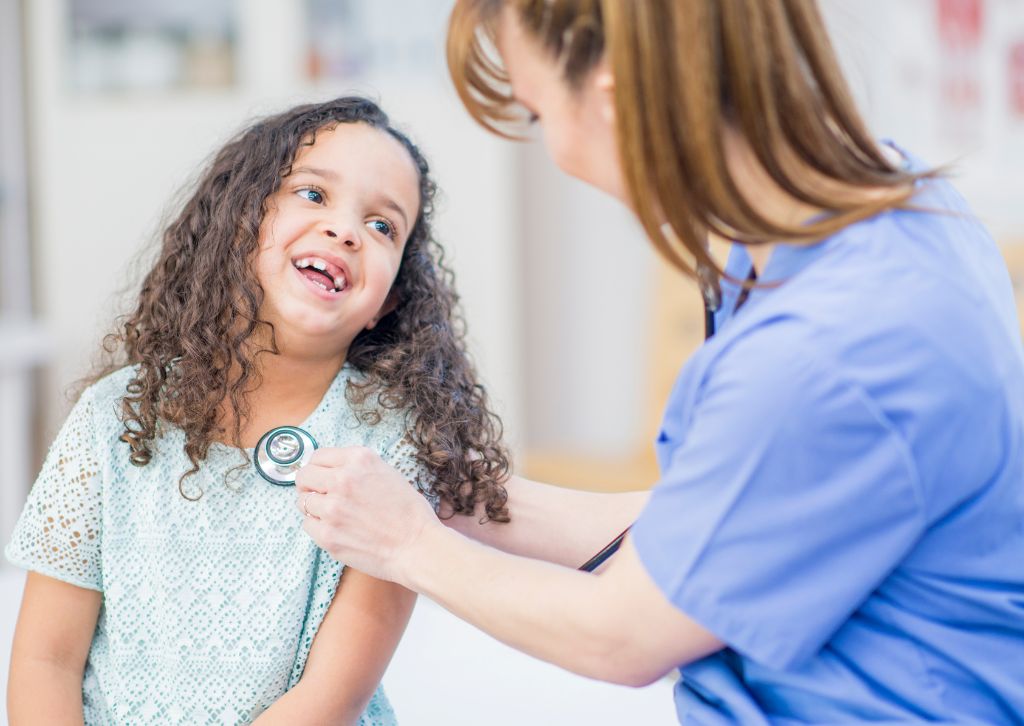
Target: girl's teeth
{"x":339,"y":283}
{"x":319,"y":265}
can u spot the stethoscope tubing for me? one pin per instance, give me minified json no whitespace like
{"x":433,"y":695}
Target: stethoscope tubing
{"x":710,"y":308}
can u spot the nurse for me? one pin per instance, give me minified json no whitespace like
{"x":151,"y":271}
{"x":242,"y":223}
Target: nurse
{"x":838,"y":531}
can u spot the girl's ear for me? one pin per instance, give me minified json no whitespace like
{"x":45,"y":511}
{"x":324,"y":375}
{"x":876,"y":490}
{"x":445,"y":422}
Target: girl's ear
{"x":390,"y":303}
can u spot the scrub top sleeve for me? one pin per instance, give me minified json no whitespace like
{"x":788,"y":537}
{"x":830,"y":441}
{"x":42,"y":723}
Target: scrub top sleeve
{"x":59,"y":531}
{"x":788,"y":502}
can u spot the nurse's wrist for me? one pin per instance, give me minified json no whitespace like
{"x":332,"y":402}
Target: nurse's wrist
{"x":426,"y":557}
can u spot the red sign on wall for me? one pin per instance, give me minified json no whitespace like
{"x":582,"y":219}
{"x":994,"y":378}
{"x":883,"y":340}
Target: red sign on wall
{"x":960,"y":23}
{"x":960,"y":29}
{"x":1016,"y":76}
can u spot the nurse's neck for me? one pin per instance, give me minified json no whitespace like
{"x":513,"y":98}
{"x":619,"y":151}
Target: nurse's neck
{"x":759,"y":255}
{"x":767,"y":197}
{"x":773,"y":203}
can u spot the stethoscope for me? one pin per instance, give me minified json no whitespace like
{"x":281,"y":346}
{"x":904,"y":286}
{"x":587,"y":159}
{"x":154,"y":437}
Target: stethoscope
{"x":711,"y":293}
{"x":282,"y":451}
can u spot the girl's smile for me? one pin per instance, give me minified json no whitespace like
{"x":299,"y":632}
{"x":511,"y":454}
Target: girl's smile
{"x":333,"y":236}
{"x":324,"y":272}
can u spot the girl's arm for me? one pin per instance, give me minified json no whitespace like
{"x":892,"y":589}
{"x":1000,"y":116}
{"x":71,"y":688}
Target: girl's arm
{"x":51,"y":643}
{"x":564,"y":526}
{"x":349,"y":654}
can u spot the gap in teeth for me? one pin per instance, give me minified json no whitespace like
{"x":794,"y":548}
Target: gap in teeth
{"x":305,"y":263}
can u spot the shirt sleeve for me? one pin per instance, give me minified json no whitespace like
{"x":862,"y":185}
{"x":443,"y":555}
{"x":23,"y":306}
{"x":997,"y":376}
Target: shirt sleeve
{"x":400,"y":452}
{"x":59,"y":531}
{"x":787,"y":503}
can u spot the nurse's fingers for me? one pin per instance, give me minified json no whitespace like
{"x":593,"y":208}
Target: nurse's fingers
{"x":329,"y":468}
{"x":318,"y":531}
{"x":315,"y":478}
{"x":314,"y":505}
{"x":358,"y":547}
{"x":307,"y":504}
{"x":344,"y":456}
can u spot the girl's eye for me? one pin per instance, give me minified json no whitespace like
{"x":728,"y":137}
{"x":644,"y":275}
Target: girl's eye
{"x":383,"y":227}
{"x":311,"y":195}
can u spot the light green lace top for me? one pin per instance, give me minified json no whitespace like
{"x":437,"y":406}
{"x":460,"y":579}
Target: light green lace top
{"x":209,"y":606}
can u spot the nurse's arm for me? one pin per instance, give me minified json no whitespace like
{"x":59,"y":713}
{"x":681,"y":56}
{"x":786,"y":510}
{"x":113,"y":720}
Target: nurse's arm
{"x":616,"y":626}
{"x":553,"y":523}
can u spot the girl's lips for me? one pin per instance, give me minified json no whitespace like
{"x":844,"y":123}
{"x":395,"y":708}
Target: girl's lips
{"x":317,"y":290}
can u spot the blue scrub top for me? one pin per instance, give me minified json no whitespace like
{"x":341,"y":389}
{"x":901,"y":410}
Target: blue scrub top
{"x":842,"y":491}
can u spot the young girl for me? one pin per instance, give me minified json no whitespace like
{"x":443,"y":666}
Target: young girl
{"x":168,"y":582}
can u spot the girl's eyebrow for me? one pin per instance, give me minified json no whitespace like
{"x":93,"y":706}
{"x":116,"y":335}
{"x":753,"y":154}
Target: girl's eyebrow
{"x":332,"y":175}
{"x":325,"y":173}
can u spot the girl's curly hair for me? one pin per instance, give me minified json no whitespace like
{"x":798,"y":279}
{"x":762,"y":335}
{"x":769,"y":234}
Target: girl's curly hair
{"x":192,"y":336}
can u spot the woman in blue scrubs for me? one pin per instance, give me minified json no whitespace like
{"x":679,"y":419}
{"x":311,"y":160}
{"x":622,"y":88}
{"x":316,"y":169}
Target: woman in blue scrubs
{"x":838,"y":531}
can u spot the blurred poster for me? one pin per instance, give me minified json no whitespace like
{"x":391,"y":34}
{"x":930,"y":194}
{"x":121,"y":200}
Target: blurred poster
{"x":945,"y":78}
{"x":961,"y":25}
{"x":355,"y":39}
{"x":1016,"y":79}
{"x":147,"y":45}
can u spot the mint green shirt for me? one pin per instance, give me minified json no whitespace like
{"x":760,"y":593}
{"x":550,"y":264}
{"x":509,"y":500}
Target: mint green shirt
{"x":209,"y":606}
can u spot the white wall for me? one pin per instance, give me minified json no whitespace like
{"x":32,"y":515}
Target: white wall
{"x":586,"y":278}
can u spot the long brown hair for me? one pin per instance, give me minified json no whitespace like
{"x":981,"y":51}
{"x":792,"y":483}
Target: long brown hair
{"x":686,"y":70}
{"x":194,"y":334}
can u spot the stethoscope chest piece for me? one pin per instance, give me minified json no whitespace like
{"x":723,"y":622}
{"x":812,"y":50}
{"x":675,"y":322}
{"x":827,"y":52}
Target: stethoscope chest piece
{"x":281,"y":452}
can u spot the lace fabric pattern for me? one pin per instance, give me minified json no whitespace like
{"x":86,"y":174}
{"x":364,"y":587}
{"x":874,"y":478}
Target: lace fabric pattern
{"x":210,"y":607}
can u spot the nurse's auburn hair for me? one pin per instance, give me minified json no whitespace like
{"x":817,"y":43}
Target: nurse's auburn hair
{"x":685,"y":70}
{"x":196,"y":332}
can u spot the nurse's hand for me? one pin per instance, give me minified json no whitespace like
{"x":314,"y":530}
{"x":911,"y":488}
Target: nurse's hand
{"x":362,"y":511}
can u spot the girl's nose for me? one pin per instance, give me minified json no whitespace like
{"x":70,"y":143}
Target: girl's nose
{"x":349,"y":239}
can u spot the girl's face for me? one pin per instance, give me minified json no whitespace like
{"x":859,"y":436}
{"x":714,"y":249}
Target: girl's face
{"x":578,"y":124}
{"x":332,"y":238}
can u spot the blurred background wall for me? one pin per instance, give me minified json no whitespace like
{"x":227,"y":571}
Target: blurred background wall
{"x":108,"y":108}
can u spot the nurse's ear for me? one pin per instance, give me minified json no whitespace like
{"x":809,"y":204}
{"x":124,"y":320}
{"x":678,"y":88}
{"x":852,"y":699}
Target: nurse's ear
{"x":604,"y":81}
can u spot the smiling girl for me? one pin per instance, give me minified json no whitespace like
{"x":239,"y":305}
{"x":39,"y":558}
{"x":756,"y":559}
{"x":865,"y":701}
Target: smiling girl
{"x":167,"y":582}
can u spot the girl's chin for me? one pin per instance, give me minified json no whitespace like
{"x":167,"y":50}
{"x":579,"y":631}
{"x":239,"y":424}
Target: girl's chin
{"x":312,"y":338}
